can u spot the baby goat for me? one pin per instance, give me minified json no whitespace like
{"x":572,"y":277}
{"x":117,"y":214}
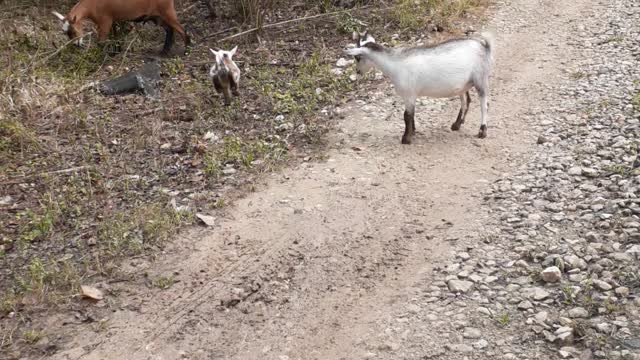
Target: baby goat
{"x":225,"y":74}
{"x":447,"y":69}
{"x":104,"y":12}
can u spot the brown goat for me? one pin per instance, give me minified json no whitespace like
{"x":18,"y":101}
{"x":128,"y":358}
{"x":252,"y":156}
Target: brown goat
{"x":104,"y":12}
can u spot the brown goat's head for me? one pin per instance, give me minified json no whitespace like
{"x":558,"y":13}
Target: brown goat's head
{"x":71,"y":26}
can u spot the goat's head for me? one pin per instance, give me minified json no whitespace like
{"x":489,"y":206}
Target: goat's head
{"x":71,"y":27}
{"x":363,"y":64}
{"x":224,"y":58}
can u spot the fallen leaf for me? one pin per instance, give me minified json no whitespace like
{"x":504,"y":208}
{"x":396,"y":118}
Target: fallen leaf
{"x":91,"y":292}
{"x":206,"y":219}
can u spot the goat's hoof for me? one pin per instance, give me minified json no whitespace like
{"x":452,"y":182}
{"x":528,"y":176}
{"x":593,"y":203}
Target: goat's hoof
{"x":406,"y":140}
{"x":483,"y":132}
{"x":456,"y":126}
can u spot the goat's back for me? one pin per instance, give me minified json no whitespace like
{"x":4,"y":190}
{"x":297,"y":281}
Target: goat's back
{"x":442,"y":71}
{"x":129,"y":9}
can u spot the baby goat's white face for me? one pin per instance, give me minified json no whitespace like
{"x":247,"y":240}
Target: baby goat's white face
{"x":223,"y":56}
{"x":363,"y":65}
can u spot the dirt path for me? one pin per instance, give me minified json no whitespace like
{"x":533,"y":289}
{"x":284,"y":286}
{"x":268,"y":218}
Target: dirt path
{"x":303,"y":268}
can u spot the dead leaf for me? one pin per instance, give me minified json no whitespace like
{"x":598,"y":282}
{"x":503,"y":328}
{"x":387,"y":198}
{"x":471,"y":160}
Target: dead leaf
{"x":91,"y":292}
{"x":206,"y":219}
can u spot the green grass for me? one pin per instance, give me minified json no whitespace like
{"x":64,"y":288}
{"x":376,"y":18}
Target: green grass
{"x":635,"y":101}
{"x":504,"y":319}
{"x":32,"y":336}
{"x":163,"y":282}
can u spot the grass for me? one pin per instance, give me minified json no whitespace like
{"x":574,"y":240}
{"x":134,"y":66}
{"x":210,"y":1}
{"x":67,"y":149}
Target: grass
{"x":163,"y":282}
{"x":635,"y":101}
{"x":416,"y":14}
{"x":577,"y":75}
{"x":504,"y":319}
{"x":32,"y":336}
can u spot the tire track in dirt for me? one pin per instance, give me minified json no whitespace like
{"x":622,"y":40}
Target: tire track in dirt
{"x":305,"y":266}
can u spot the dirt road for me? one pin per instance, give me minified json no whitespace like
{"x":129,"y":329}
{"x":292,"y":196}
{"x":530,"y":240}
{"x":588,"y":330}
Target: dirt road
{"x":305,"y":267}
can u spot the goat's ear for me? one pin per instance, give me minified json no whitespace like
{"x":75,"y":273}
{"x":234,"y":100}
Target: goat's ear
{"x":366,"y":34}
{"x":72,"y":21}
{"x":233,"y":51}
{"x":355,"y":36}
{"x":213,"y":52}
{"x":58,"y":15}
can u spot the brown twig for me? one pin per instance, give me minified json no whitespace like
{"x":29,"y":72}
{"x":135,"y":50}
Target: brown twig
{"x":55,"y":172}
{"x":218,"y":33}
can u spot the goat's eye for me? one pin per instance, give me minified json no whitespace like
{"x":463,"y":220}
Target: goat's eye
{"x":357,"y":57}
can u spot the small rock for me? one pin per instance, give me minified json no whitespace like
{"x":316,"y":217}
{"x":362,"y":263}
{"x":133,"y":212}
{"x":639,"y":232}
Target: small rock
{"x":472,"y":333}
{"x":481,"y":344}
{"x":525,"y":305}
{"x":578,"y":312}
{"x":551,"y":274}
{"x":540,"y":294}
{"x":541,"y":140}
{"x":461,"y":348}
{"x":622,"y":291}
{"x":602,"y":285}
{"x":462,"y":286}
{"x":206,"y":219}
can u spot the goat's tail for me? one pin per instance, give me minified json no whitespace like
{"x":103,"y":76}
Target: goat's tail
{"x":489,"y":43}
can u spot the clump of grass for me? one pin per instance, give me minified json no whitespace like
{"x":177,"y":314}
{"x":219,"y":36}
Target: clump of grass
{"x":577,"y":75}
{"x":313,"y":85}
{"x":163,"y":282}
{"x":32,"y":336}
{"x":635,"y":101}
{"x":128,"y":232}
{"x":45,"y":281}
{"x":504,"y":319}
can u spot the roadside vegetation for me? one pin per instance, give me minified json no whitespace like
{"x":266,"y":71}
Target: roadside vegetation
{"x":88,"y":180}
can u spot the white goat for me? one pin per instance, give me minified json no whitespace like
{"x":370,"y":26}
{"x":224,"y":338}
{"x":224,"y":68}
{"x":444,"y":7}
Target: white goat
{"x":447,"y":69}
{"x":225,"y":74}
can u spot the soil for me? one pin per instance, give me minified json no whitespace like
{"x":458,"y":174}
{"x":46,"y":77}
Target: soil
{"x":303,"y":267}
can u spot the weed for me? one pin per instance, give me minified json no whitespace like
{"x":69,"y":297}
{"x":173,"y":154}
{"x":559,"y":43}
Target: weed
{"x":622,"y":170}
{"x":174,"y":66}
{"x":615,"y":39}
{"x":347,"y":24}
{"x":128,"y":232}
{"x":610,"y":306}
{"x":504,"y":319}
{"x":163,"y":282}
{"x":32,"y":336}
{"x":569,"y":295}
{"x":635,"y":101}
{"x":577,"y":75}
{"x":219,"y":204}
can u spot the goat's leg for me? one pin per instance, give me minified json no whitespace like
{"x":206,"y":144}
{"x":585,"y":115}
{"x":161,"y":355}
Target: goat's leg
{"x":409,"y":119}
{"x":464,"y":107}
{"x":171,"y":20}
{"x":227,"y":95}
{"x":466,"y":110}
{"x":234,"y":88}
{"x":168,"y":40}
{"x":484,"y":112}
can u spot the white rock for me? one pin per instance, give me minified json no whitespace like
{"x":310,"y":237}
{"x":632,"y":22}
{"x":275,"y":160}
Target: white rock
{"x":462,"y":286}
{"x":551,"y":274}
